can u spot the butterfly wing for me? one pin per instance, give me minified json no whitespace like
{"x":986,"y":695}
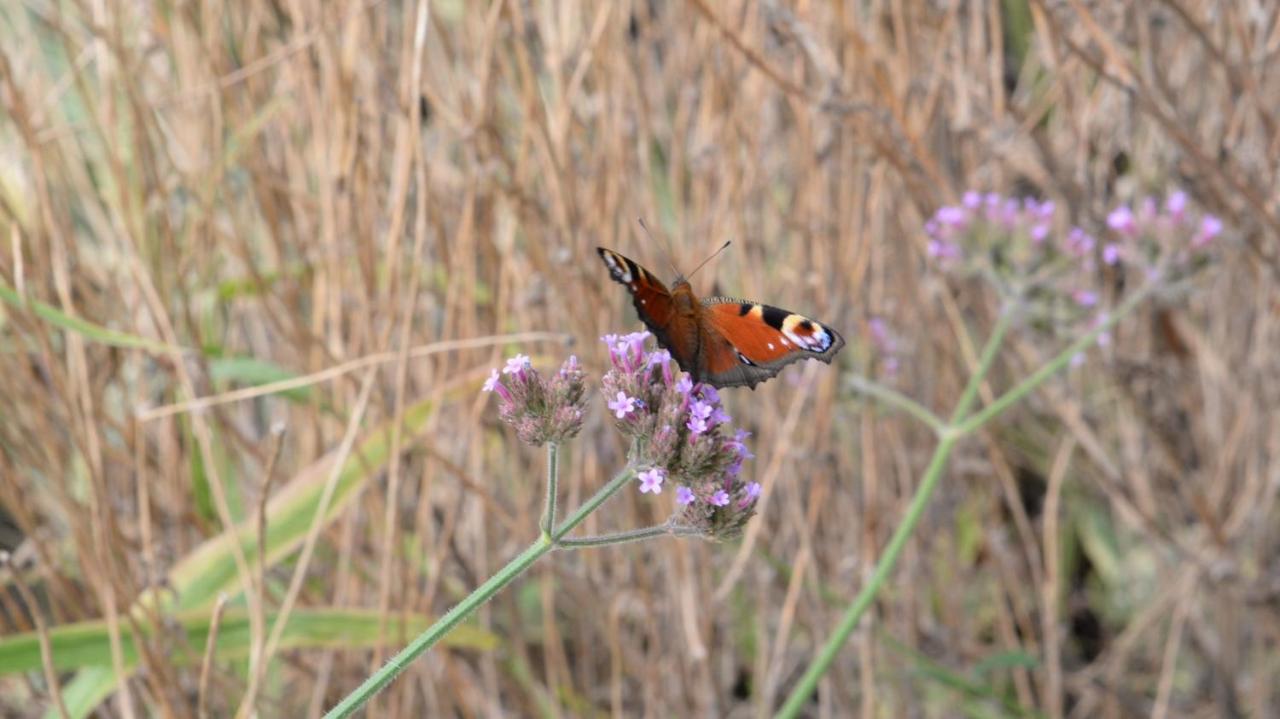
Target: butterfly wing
{"x":746,"y":343}
{"x":654,"y":303}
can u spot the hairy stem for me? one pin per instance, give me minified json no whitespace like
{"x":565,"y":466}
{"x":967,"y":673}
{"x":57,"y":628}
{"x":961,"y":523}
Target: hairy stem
{"x":553,"y":480}
{"x":542,"y":545}
{"x":632,"y":535}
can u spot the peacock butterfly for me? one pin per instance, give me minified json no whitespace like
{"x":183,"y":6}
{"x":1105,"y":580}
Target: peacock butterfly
{"x":721,"y":341}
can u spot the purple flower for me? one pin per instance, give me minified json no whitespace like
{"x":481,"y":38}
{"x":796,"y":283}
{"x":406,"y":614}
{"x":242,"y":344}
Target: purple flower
{"x":943,"y":250}
{"x":491,"y":383}
{"x":697,"y":425}
{"x":570,"y":366}
{"x":623,"y":405}
{"x":651,"y":480}
{"x":1045,"y":210}
{"x":1009,"y":213}
{"x":1085,"y":298}
{"x":684,"y":385}
{"x":1121,"y":220}
{"x":1039,"y":231}
{"x":1079,"y":242}
{"x":1111,"y":253}
{"x":1176,"y":205}
{"x":516,"y":364}
{"x":700,"y":409}
{"x":971,"y":200}
{"x":720,"y":498}
{"x":955,"y":217}
{"x":684,"y":495}
{"x":1210,"y":227}
{"x":540,"y":409}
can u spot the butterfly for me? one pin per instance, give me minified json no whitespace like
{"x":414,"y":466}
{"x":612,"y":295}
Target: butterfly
{"x":721,"y":341}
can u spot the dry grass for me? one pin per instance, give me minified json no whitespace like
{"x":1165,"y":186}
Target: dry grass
{"x":307,"y":184}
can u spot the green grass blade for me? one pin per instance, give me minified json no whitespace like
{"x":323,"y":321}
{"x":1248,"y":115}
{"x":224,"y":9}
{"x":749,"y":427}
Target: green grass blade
{"x":89,"y":330}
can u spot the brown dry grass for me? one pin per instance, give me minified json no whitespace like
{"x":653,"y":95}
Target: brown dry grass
{"x":311,"y":183}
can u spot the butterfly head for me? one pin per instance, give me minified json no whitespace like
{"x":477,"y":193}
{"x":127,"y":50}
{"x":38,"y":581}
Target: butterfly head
{"x":682,"y":296}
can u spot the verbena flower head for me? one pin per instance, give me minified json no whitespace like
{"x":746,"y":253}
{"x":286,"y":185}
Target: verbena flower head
{"x":541,"y":410}
{"x":1064,"y":277}
{"x":681,"y":432}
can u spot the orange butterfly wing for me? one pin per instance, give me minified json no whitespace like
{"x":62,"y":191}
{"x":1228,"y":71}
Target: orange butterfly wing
{"x":722,"y":341}
{"x":746,"y":343}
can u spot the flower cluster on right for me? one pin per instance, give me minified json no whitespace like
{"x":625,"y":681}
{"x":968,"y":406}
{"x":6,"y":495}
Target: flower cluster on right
{"x":1020,"y":231}
{"x":1020,"y":246}
{"x":681,"y":434}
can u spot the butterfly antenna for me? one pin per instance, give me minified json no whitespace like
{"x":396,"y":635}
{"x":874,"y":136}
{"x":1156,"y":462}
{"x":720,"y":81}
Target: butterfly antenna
{"x":666,"y":245}
{"x":712,"y":257}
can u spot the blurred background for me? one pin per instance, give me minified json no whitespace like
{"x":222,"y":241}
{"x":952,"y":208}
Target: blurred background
{"x":334,"y":218}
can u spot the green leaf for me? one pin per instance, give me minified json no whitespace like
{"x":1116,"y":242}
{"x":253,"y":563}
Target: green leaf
{"x":253,"y":372}
{"x":84,"y":328}
{"x":88,"y":644}
{"x":210,"y":569}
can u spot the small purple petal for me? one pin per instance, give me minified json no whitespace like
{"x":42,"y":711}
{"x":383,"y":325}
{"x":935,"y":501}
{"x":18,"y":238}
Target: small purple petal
{"x":651,"y":480}
{"x":1121,"y":220}
{"x":516,"y":364}
{"x":623,"y":405}
{"x":1085,"y":298}
{"x":684,"y":495}
{"x":720,"y":498}
{"x":1079,"y":242}
{"x":950,"y":216}
{"x":943,"y":250}
{"x":1111,"y":253}
{"x":971,"y":200}
{"x":1176,"y":204}
{"x":697,"y":425}
{"x":491,"y":383}
{"x":1210,"y":227}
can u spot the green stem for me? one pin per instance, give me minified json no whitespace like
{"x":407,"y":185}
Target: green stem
{"x":984,"y":364}
{"x":553,"y":480}
{"x":1037,"y":378}
{"x":633,"y":535}
{"x":543,"y":544}
{"x":896,"y":399}
{"x":800,"y":695}
{"x":951,"y":434}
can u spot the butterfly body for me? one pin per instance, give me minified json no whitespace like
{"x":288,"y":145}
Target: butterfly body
{"x":722,"y":341}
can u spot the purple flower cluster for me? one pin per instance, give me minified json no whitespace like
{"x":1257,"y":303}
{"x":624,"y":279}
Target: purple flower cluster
{"x":681,"y":432}
{"x":541,"y":410}
{"x":1012,"y":241}
{"x":964,"y":235}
